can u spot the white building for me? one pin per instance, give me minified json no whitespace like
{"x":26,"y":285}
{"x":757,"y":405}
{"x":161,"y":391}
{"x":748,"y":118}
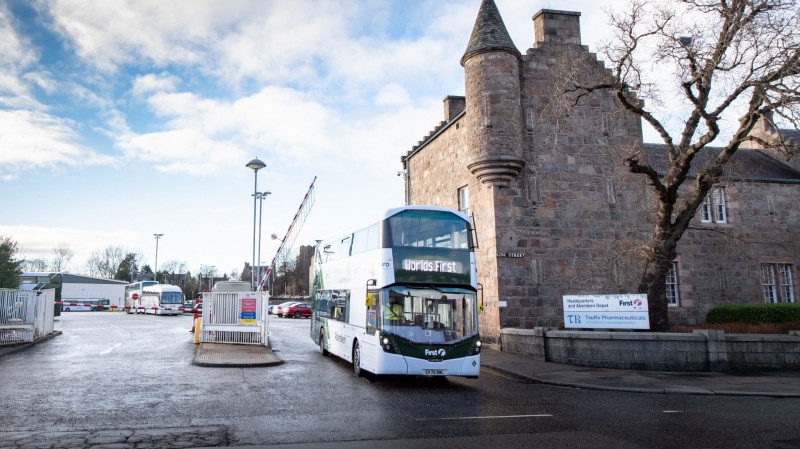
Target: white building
{"x":75,"y":287}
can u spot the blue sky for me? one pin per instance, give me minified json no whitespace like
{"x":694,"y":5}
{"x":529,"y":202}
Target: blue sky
{"x":123,"y":119}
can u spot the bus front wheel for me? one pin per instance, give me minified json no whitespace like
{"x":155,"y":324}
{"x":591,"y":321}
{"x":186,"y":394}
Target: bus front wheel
{"x":357,"y":359}
{"x":322,"y":349}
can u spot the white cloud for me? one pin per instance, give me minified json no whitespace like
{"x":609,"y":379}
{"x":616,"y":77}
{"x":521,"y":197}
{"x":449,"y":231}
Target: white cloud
{"x":16,"y":52}
{"x":150,"y":83}
{"x":204,"y":133}
{"x":181,"y":151}
{"x":36,"y":242}
{"x":392,"y":94}
{"x":15,"y":75}
{"x":107,"y":34}
{"x":31,"y":140}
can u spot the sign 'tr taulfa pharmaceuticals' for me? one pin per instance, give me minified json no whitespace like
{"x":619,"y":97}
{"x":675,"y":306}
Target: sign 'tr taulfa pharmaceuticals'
{"x":606,"y":311}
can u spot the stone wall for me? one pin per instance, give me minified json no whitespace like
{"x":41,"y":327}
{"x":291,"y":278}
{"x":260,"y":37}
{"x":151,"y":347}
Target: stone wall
{"x":575,"y":216}
{"x":703,"y":350}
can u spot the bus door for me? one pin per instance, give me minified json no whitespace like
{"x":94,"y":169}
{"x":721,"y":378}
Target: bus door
{"x":372,"y":303}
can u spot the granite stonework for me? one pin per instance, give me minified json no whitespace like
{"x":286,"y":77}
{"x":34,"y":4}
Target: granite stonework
{"x":555,"y":210}
{"x":702,"y":350}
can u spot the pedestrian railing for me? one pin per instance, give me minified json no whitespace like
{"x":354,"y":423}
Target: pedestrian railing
{"x":25,"y":315}
{"x":234,"y":317}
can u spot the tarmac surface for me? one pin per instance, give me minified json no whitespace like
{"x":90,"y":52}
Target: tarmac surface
{"x":784,"y":384}
{"x":526,"y":368}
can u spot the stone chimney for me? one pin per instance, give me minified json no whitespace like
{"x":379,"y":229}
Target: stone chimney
{"x":559,"y":27}
{"x":453,"y":105}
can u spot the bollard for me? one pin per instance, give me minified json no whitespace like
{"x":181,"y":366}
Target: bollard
{"x":196,"y":329}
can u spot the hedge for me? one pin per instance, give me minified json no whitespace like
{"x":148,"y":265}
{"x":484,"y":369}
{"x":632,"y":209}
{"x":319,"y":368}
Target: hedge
{"x":755,"y":313}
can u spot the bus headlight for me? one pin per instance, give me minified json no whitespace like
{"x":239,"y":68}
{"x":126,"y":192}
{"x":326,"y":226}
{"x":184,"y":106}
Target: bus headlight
{"x":477,"y":348}
{"x":387,"y":345}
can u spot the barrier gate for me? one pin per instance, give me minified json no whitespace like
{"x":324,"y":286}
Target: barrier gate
{"x":234,"y":317}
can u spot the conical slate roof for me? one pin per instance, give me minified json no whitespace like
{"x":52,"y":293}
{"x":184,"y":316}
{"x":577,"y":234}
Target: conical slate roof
{"x":489,"y":33}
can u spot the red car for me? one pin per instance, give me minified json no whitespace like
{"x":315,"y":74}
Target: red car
{"x":300,"y":310}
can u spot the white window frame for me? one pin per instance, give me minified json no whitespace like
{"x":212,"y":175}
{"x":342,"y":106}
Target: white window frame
{"x":673,"y":287}
{"x":713,"y":209}
{"x":777,"y":282}
{"x":463,"y":199}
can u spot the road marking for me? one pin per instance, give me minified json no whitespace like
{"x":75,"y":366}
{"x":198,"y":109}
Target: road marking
{"x":108,"y":351}
{"x":541,"y":415}
{"x":672,"y":411}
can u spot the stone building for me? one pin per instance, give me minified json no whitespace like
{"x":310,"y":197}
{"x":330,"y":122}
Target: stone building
{"x":555,"y":211}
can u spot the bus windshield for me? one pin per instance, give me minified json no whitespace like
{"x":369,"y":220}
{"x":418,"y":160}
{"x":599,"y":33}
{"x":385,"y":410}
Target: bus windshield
{"x":427,"y":229}
{"x":171,"y":298}
{"x":429,"y":315}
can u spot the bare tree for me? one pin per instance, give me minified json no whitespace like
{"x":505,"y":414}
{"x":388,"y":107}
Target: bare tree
{"x":105,"y":263}
{"x":728,"y":59}
{"x":174,"y":267}
{"x":37,"y":264}
{"x":62,"y":256}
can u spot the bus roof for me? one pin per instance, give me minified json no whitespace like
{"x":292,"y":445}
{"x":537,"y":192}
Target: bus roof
{"x":392,"y":212}
{"x":397,"y":210}
{"x":162,"y":288}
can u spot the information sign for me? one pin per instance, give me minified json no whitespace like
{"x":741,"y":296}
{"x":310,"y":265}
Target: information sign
{"x":248,"y":312}
{"x":606,"y":311}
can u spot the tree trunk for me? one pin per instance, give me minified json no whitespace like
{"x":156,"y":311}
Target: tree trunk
{"x":654,"y":284}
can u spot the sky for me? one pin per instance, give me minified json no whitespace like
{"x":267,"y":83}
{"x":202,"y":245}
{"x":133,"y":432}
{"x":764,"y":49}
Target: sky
{"x":123,"y":119}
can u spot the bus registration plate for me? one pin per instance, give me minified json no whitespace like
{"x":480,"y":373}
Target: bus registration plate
{"x":434,"y":372}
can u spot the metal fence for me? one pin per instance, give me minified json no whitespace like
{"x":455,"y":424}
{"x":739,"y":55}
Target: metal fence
{"x":239,"y":317}
{"x":25,"y":315}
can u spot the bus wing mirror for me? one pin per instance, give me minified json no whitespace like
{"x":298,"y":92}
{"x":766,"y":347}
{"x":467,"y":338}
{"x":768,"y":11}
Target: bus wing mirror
{"x":370,"y":300}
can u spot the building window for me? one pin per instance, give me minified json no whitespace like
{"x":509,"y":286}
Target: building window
{"x":673,"y":296}
{"x":777,"y":283}
{"x":463,"y":199}
{"x":713,"y":208}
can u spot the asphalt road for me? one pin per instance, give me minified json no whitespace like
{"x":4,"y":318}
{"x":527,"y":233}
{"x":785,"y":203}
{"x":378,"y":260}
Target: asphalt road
{"x":126,"y":381}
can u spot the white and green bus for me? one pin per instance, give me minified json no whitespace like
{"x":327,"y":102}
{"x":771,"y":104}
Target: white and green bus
{"x":400,"y":296}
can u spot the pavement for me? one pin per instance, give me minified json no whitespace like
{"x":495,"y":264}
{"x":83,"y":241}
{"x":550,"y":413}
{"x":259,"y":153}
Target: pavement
{"x":781,"y":384}
{"x":784,"y":384}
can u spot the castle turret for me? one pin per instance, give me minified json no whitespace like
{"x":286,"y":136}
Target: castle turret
{"x":494,"y":114}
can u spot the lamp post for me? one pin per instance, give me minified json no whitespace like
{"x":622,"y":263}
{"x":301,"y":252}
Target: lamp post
{"x":255,"y":165}
{"x":155,"y":270}
{"x":260,"y":196}
{"x":211,"y":269}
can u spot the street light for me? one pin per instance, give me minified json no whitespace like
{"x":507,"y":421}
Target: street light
{"x":261,"y":196}
{"x":255,"y":165}
{"x":155,"y":270}
{"x":272,"y":269}
{"x":211,"y":276}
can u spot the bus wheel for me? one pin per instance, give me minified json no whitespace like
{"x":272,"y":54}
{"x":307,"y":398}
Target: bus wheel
{"x":322,"y":349}
{"x":357,"y":359}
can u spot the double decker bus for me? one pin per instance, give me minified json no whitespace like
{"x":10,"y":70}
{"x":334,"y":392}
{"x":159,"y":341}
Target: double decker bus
{"x":162,"y":299}
{"x":400,"y":296}
{"x":133,"y":295}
